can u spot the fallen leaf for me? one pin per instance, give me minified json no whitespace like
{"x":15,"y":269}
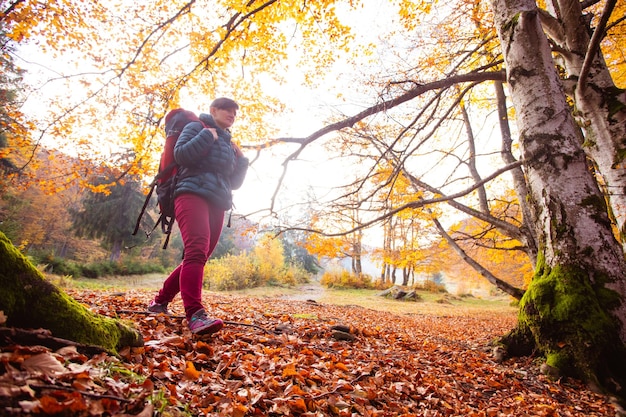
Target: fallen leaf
{"x":239,"y":410}
{"x":417,"y":364}
{"x":298,"y":406}
{"x":341,"y":366}
{"x":45,"y":363}
{"x":290,"y":370}
{"x":191,"y":372}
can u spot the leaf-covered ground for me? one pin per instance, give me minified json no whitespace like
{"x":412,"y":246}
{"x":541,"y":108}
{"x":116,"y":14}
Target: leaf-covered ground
{"x":278,"y":357}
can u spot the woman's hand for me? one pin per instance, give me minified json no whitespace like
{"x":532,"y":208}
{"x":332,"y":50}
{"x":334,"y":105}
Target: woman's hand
{"x":213,"y":131}
{"x":238,"y":152}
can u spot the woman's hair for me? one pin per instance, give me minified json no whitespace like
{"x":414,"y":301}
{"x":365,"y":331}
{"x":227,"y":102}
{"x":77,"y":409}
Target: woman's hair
{"x":225,"y":103}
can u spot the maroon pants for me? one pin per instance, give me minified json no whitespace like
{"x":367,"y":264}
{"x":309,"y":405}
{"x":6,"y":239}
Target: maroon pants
{"x":200,"y":225}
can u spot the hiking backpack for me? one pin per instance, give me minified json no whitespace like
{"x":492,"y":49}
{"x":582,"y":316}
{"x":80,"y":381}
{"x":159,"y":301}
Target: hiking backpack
{"x":165,"y":180}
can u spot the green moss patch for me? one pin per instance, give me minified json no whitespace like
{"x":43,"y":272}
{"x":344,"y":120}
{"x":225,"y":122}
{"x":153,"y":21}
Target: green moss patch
{"x":29,"y":301}
{"x":570,"y":321}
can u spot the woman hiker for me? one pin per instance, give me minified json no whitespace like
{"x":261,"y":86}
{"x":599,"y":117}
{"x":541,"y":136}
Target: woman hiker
{"x":210,"y":167}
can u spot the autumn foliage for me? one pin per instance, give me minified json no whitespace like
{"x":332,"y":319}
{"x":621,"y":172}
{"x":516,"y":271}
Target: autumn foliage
{"x":264,"y":265}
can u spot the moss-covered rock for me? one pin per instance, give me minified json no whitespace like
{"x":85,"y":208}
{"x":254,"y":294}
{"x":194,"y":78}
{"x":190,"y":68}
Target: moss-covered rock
{"x":29,"y":301}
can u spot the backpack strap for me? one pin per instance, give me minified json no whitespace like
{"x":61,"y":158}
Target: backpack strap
{"x":175,"y":121}
{"x":143,"y":208}
{"x":167,"y":240}
{"x":153,"y":185}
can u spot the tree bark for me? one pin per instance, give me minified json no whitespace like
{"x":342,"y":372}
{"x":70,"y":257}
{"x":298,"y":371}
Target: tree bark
{"x":574,"y":311}
{"x":31,"y":302}
{"x":600,"y":105}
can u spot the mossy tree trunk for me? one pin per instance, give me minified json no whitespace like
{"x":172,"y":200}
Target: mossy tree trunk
{"x":31,"y":302}
{"x":574,"y":311}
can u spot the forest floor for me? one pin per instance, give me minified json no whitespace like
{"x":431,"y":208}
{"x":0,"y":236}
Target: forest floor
{"x":295,"y":354}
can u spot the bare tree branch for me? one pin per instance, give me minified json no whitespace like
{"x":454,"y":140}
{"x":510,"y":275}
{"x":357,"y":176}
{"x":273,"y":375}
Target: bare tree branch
{"x":389,"y":104}
{"x":594,"y":44}
{"x":507,"y":228}
{"x":615,"y":23}
{"x":504,"y":286}
{"x":415,"y":204}
{"x":4,"y":15}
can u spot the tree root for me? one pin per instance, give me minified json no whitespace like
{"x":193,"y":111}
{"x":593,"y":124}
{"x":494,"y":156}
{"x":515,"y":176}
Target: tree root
{"x":16,"y":336}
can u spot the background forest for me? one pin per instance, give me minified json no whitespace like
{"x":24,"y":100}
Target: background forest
{"x":80,"y":233}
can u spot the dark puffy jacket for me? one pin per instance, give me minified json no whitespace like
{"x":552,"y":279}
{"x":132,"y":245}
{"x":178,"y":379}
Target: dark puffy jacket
{"x":208,"y":168}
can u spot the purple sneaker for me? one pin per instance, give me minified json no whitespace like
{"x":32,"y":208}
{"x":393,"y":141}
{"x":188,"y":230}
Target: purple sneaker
{"x":156,"y":308}
{"x":200,"y":323}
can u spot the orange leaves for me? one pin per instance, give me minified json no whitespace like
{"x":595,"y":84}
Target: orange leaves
{"x":322,"y":246}
{"x":67,"y":383}
{"x":239,"y":410}
{"x":613,"y":44}
{"x":113,"y":94}
{"x":295,"y":390}
{"x":298,"y":405}
{"x":290,"y":370}
{"x":340,"y":366}
{"x":191,"y":372}
{"x":62,"y":402}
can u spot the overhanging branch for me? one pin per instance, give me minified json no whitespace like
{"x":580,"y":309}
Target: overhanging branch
{"x":475,"y":77}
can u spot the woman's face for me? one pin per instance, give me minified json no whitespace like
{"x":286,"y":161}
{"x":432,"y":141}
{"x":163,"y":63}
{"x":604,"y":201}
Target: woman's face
{"x":224,"y":118}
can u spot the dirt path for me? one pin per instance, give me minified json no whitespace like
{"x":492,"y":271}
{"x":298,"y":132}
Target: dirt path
{"x":310,"y":291}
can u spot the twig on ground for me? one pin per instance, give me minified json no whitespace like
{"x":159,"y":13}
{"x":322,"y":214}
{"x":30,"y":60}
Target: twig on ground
{"x":85,"y":393}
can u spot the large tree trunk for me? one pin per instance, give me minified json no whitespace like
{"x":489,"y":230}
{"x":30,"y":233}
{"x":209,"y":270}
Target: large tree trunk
{"x":31,"y":302}
{"x":600,"y":105}
{"x":574,"y":311}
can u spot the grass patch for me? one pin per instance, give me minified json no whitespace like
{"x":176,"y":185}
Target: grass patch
{"x":272,"y":291}
{"x":430,"y":304}
{"x":118,"y":283}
